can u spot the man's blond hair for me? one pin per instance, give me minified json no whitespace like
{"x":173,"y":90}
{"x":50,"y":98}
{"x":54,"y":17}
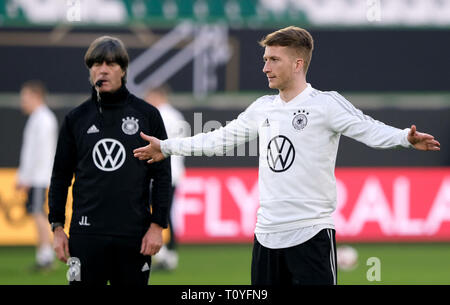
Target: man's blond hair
{"x":37,"y":87}
{"x":294,"y":37}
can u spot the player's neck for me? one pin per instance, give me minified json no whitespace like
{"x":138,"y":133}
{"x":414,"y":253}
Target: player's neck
{"x":288,"y":93}
{"x":35,"y":107}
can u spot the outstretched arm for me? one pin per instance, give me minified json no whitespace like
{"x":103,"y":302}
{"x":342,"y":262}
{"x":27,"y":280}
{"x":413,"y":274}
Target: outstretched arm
{"x":422,"y":141}
{"x":345,"y":119}
{"x":217,"y":142}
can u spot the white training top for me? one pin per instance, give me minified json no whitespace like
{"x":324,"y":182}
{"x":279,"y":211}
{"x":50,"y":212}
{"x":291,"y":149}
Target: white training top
{"x":175,"y":128}
{"x":298,"y":143}
{"x":38,"y":148}
{"x":291,"y":238}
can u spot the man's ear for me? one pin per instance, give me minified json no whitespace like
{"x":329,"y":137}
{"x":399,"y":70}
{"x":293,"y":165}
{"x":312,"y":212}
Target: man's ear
{"x":299,"y":63}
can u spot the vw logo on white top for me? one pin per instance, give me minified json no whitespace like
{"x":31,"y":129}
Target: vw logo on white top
{"x":280,"y":154}
{"x":108,"y":155}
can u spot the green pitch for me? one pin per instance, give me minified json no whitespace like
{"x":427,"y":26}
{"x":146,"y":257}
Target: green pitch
{"x":230,"y":264}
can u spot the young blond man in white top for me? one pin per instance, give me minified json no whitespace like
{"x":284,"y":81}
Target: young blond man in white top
{"x":298,"y":131}
{"x":36,"y":162}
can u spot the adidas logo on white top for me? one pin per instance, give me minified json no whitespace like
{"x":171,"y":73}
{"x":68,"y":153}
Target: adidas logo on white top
{"x":266,"y":123}
{"x":93,"y":129}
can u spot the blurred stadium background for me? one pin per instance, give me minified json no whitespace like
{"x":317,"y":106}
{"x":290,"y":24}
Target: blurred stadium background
{"x":388,"y":57}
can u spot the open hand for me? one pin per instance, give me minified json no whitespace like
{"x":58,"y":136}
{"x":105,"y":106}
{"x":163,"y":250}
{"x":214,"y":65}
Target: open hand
{"x":151,"y":152}
{"x":422,"y":141}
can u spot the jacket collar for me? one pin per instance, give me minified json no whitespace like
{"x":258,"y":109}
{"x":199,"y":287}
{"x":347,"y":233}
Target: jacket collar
{"x":114,"y":99}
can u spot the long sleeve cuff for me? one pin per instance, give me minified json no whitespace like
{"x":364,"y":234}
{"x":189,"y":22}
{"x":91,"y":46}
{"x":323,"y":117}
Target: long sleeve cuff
{"x":405,"y":142}
{"x":164,"y":148}
{"x":161,"y":218}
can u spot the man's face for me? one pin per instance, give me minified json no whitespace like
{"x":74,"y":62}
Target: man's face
{"x":281,"y":64}
{"x":155,"y":98}
{"x":110,"y":73}
{"x":27,"y":98}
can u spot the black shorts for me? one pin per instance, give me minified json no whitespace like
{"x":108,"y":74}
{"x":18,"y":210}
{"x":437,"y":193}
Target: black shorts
{"x":36,"y":200}
{"x":108,"y":258}
{"x":310,"y":263}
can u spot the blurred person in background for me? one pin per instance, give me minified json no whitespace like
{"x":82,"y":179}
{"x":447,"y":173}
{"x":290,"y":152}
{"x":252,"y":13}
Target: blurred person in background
{"x":167,"y":257}
{"x":298,"y":131}
{"x":113,"y":232}
{"x":36,"y":160}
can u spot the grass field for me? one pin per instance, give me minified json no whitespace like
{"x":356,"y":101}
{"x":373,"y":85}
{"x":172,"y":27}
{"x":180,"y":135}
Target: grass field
{"x":230,"y":264}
